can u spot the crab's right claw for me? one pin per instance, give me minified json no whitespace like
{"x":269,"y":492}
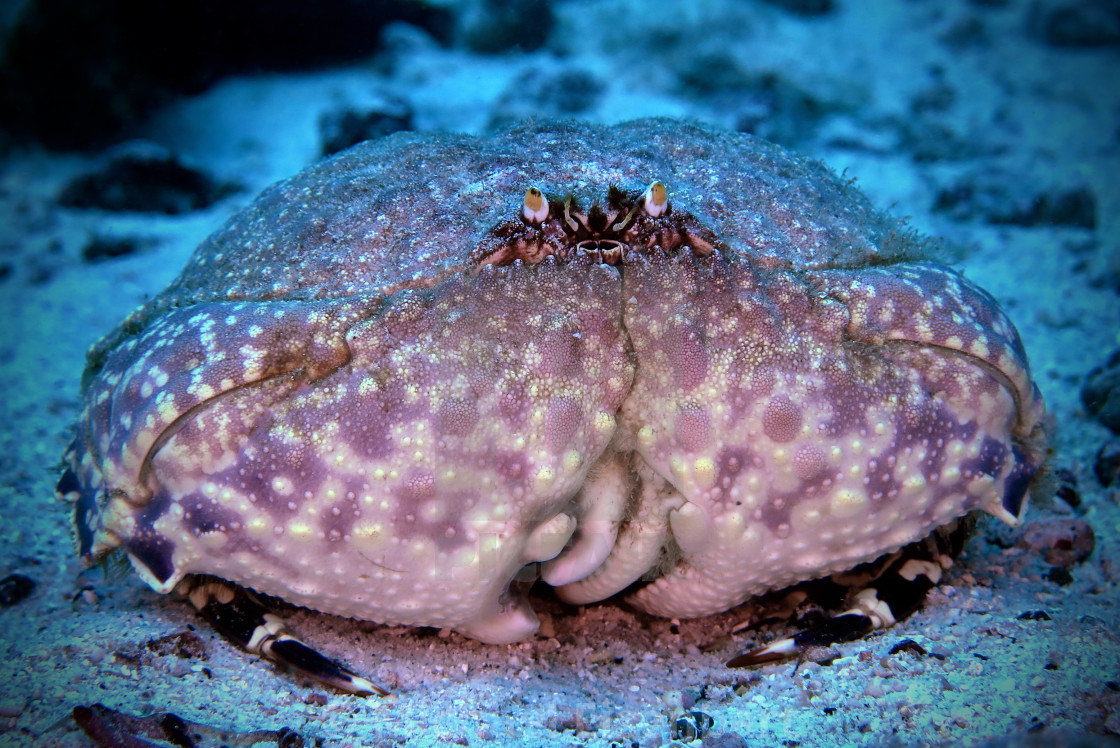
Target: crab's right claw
{"x":240,"y":617}
{"x":896,"y":592}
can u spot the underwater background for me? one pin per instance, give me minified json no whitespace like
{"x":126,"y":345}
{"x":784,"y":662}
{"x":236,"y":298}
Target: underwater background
{"x":131,"y":130}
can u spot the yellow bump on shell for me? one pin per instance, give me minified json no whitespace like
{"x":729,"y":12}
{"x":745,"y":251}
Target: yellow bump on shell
{"x":258,"y":527}
{"x":913,"y":485}
{"x":573,"y":460}
{"x":604,"y":423}
{"x":167,"y":410}
{"x":535,"y":207}
{"x":808,"y":514}
{"x":704,"y":472}
{"x":369,"y":536}
{"x":847,"y":503}
{"x":544,"y":479}
{"x":645,"y":436}
{"x":300,"y":531}
{"x":655,"y":201}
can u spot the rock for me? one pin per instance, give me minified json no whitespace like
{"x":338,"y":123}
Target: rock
{"x":1081,"y":23}
{"x":1065,"y":542}
{"x":805,"y":7}
{"x":346,"y":126}
{"x":494,"y":26}
{"x":765,"y":103}
{"x":145,"y":180}
{"x":14,"y":588}
{"x":1101,"y":393}
{"x":928,"y":140}
{"x":725,"y":740}
{"x":1000,"y":197}
{"x":555,"y":93}
{"x":1106,"y":466}
{"x":100,"y":248}
{"x":76,"y":73}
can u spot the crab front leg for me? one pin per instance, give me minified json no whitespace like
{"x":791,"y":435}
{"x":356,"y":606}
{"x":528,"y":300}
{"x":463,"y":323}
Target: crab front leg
{"x":896,"y":592}
{"x":240,"y":617}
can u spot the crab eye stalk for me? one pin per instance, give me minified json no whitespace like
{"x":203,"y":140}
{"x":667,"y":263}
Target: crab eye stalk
{"x":655,"y":201}
{"x":535,"y":208}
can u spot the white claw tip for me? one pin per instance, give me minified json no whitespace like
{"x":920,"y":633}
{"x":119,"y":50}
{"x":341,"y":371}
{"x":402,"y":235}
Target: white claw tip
{"x":655,"y":202}
{"x":535,"y":207}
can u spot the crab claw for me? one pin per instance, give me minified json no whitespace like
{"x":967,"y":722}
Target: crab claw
{"x":899,"y":589}
{"x":236,"y":614}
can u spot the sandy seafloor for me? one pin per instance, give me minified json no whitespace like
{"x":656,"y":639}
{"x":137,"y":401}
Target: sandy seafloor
{"x":1042,"y":116}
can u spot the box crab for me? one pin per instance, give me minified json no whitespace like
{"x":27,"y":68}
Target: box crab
{"x":653,"y":358}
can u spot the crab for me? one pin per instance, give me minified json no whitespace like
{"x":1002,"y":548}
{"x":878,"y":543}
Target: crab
{"x":655,"y":359}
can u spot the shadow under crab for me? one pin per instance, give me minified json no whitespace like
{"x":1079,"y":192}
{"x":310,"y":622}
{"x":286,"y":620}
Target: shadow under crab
{"x":399,"y":378}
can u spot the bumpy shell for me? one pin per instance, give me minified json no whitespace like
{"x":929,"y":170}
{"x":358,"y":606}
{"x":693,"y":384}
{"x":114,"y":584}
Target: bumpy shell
{"x":339,"y":402}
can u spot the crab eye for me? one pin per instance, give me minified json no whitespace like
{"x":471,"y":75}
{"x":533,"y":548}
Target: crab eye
{"x":655,"y":201}
{"x":535,"y":207}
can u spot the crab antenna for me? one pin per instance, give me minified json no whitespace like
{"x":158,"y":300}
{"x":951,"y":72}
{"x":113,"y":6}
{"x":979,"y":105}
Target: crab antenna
{"x":571,"y":222}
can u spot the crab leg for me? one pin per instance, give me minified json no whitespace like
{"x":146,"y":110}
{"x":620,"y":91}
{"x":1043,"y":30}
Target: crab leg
{"x":896,"y":593}
{"x":237,"y":615}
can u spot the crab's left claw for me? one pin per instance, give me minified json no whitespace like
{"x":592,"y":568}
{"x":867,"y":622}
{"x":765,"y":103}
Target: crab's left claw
{"x":236,"y":614}
{"x":896,"y":592}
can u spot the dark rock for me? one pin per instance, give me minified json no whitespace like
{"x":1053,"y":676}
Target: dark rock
{"x":77,"y":74}
{"x":1101,"y":393}
{"x":805,"y":7}
{"x":1081,"y":23}
{"x":145,"y":181}
{"x":101,"y":248}
{"x":1060,"y":576}
{"x":1106,"y":466}
{"x":346,"y":126}
{"x":911,"y":646}
{"x":939,"y":96}
{"x":14,"y":588}
{"x":494,"y":26}
{"x":1064,"y":542}
{"x":929,"y":140}
{"x":186,"y":645}
{"x":765,"y":103}
{"x":1067,"y":487}
{"x":967,"y":32}
{"x":999,"y":197}
{"x":556,"y":93}
{"x":725,"y":740}
{"x":571,"y":721}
